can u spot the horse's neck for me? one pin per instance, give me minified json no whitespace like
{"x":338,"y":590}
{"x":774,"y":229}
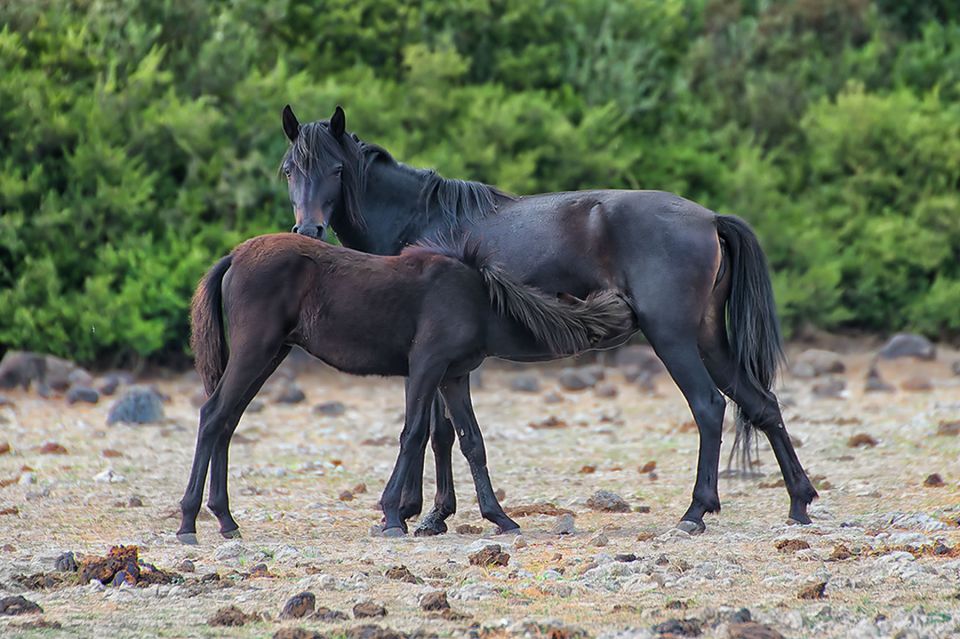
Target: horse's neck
{"x":392,"y":210}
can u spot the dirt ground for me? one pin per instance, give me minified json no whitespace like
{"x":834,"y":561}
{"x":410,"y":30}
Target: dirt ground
{"x":899,"y":576}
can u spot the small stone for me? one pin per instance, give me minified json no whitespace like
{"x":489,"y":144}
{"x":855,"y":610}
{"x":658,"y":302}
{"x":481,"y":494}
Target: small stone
{"x":752,"y":630}
{"x":290,"y":393}
{"x":587,"y":469}
{"x":949,"y":428}
{"x":576,"y":379}
{"x":109,"y":476}
{"x":606,"y":501}
{"x":186,"y":566}
{"x":829,"y":389}
{"x":791,"y":545}
{"x":111,"y":453}
{"x":468,"y":529}
{"x":917,"y":384}
{"x":525,"y":384}
{"x":933,"y":480}
{"x":600,"y":540}
{"x":606,"y":390}
{"x":564,"y":525}
{"x":908,"y":345}
{"x":346,"y":495}
{"x":679,"y":628}
{"x":553,"y":397}
{"x":330,"y":616}
{"x":137,"y":405}
{"x":18,"y":605}
{"x":875,"y":383}
{"x":500,"y":494}
{"x":491,"y":555}
{"x":4,"y":448}
{"x":649,"y":467}
{"x":135,"y":501}
{"x":401,"y":573}
{"x":860,"y":440}
{"x":641,"y":358}
{"x":297,"y":633}
{"x":816,"y":362}
{"x":66,"y":562}
{"x":53,"y":448}
{"x":299,"y":605}
{"x":840,"y":553}
{"x":231,"y":616}
{"x":330,"y":409}
{"x":519,"y":542}
{"x":368,"y":609}
{"x":813,"y":591}
{"x":229,"y":550}
{"x":82,"y":394}
{"x":433,"y":601}
{"x":955,"y":367}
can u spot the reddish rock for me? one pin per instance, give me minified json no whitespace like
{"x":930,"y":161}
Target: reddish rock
{"x":491,"y":555}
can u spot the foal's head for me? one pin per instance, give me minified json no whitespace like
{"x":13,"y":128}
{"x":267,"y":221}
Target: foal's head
{"x":323,"y":169}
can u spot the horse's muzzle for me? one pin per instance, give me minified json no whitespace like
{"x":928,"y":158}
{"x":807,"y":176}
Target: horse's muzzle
{"x":310,"y":230}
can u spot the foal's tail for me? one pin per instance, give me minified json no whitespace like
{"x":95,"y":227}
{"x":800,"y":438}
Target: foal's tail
{"x":207,"y":339}
{"x":564,"y":327}
{"x":753,"y":329}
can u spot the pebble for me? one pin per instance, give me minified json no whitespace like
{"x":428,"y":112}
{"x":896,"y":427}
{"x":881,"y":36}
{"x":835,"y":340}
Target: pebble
{"x":436,"y":600}
{"x":917,"y":384}
{"x":577,"y":379}
{"x":330,"y":409}
{"x":137,"y":405}
{"x":606,"y":501}
{"x":290,"y":393}
{"x":299,"y":605}
{"x":230,"y":550}
{"x":525,"y":384}
{"x":830,"y":389}
{"x":83,"y":394}
{"x":109,"y":476}
{"x":367,"y":609}
{"x":599,"y":540}
{"x":908,"y":345}
{"x":606,"y":390}
{"x":816,"y":362}
{"x":475,"y":592}
{"x":564,"y":525}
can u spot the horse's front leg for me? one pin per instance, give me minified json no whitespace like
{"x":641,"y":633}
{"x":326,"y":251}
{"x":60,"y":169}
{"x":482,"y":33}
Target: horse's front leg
{"x":445,"y":502}
{"x":421,"y":388}
{"x":411,"y":497}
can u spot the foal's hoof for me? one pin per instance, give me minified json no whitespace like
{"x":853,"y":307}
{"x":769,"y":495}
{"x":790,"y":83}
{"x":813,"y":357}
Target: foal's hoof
{"x":799,"y":521}
{"x":430,"y":529}
{"x":394,"y":532}
{"x":231,"y":534}
{"x":691,"y":527}
{"x":503,"y":530}
{"x":189,"y":539}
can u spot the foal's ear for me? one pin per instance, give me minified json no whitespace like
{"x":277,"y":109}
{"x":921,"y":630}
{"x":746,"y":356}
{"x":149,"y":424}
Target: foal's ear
{"x":338,"y":122}
{"x":291,"y":126}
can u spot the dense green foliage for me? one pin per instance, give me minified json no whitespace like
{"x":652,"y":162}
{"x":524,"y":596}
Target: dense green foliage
{"x":139,"y":139}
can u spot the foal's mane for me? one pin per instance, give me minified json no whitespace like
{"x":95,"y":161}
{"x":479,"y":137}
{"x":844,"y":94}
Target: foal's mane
{"x":456,"y":201}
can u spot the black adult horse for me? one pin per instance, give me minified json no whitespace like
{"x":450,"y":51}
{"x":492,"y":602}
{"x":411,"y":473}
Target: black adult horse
{"x":697,"y":282}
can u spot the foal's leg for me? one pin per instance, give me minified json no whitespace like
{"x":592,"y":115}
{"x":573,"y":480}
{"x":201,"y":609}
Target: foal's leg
{"x":411,"y":498}
{"x":445,"y":502}
{"x":456,"y":394}
{"x":248,"y":357}
{"x":425,"y":375}
{"x":218,"y":502}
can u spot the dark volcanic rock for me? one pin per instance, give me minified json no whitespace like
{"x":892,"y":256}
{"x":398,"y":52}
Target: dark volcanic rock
{"x":299,"y":605}
{"x":576,"y":379}
{"x":367,"y":609}
{"x":908,"y":345}
{"x":606,"y":501}
{"x":434,"y":601}
{"x":137,"y":405}
{"x":18,"y":606}
{"x":875,"y":383}
{"x":679,"y":628}
{"x":752,"y":630}
{"x":82,"y":394}
{"x":290,"y":393}
{"x":66,"y":563}
{"x":330,"y":409}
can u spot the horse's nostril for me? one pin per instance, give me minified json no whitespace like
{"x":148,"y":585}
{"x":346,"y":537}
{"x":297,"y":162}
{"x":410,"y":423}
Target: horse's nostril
{"x":295,"y":229}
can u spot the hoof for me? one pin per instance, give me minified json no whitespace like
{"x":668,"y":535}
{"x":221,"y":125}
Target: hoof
{"x":189,"y":539}
{"x":231,"y":534}
{"x":501,"y":530}
{"x":691,"y":527}
{"x":426,"y":531}
{"x":799,"y":521}
{"x":394,"y":532}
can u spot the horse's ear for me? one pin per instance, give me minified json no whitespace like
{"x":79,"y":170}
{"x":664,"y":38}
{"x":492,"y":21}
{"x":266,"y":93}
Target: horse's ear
{"x":338,"y":122}
{"x":291,"y":126}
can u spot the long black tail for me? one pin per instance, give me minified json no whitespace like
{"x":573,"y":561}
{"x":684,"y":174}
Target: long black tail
{"x":752,"y":326}
{"x":207,"y":338}
{"x":563,"y":327}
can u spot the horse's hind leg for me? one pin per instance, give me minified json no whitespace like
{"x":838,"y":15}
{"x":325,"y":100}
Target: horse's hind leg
{"x":456,"y":394}
{"x":445,"y":502}
{"x":218,"y":502}
{"x":760,"y":410}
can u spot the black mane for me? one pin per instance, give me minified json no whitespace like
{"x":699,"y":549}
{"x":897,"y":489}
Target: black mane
{"x":456,"y":201}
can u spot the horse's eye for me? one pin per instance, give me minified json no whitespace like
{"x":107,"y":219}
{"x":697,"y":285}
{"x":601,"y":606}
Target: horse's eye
{"x":286,"y":172}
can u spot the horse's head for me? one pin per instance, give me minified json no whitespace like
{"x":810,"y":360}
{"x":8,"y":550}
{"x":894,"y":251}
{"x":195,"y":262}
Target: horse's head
{"x":321,"y":171}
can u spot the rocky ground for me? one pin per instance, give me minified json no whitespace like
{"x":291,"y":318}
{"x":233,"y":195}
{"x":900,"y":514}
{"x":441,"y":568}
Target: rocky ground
{"x":882,"y":558}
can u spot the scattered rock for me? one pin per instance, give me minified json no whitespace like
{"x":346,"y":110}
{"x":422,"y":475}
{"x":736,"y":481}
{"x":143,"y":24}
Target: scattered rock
{"x":815,"y":590}
{"x":577,"y":379}
{"x":53,"y":448}
{"x":82,"y":394}
{"x":18,"y":605}
{"x":469,"y":529}
{"x":525,"y":384}
{"x":934,"y":480}
{"x":290,"y":393}
{"x":26,"y":369}
{"x":946,"y":428}
{"x":549,"y":423}
{"x":752,"y":630}
{"x":297,"y":633}
{"x":110,"y":382}
{"x":330,"y":409}
{"x":679,"y":628}
{"x":816,"y":362}
{"x":606,"y":390}
{"x":649,"y":467}
{"x":120,"y":559}
{"x":553,"y":397}
{"x":109,"y":476}
{"x":491,"y":555}
{"x":401,"y":573}
{"x":606,"y":501}
{"x":564,"y":525}
{"x":66,"y":563}
{"x":600,"y":540}
{"x":137,"y":405}
{"x":186,"y":566}
{"x":135,"y":501}
{"x":255,"y":406}
{"x":231,"y":616}
{"x":832,"y":388}
{"x":640,"y":358}
{"x":346,"y":495}
{"x":917,"y":384}
{"x":111,"y":453}
{"x":791,"y":545}
{"x":840,"y":553}
{"x":861,"y":439}
{"x":299,"y":605}
{"x":10,"y":510}
{"x":371,"y":631}
{"x":5,"y":447}
{"x":587,"y":469}
{"x":433,"y":601}
{"x":875,"y":383}
{"x":908,"y":345}
{"x":955,"y":367}
{"x":330,"y":616}
{"x":367,"y":609}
